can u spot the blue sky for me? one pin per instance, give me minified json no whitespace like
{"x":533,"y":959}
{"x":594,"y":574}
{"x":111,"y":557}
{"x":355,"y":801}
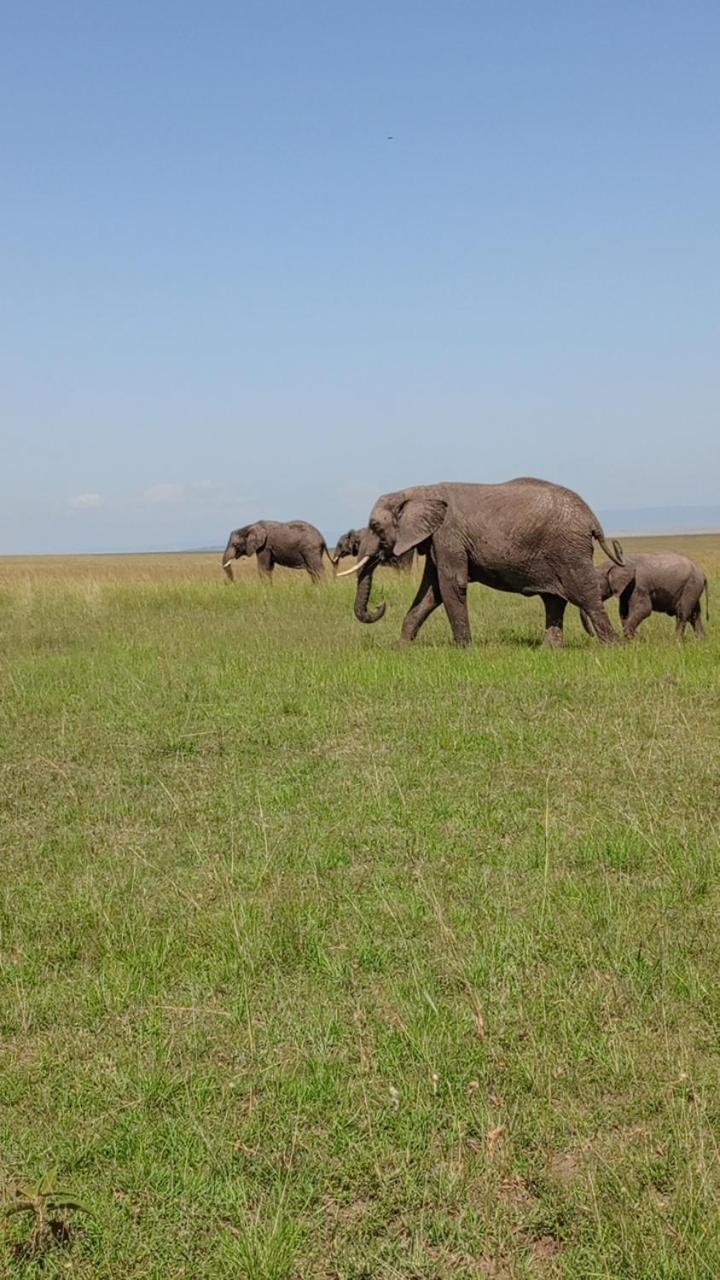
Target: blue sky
{"x":227,"y":294}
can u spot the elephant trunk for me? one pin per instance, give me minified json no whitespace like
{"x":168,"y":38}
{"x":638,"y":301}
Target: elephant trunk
{"x":227,"y":559}
{"x":362,"y":596}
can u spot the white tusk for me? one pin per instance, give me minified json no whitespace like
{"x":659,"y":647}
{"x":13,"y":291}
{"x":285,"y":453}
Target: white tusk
{"x":354,"y":569}
{"x":227,"y":564}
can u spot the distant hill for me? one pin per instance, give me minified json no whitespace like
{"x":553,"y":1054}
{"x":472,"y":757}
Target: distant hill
{"x":662,"y":520}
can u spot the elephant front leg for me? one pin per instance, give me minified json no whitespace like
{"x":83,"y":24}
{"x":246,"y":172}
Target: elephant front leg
{"x":265,"y":564}
{"x":427,"y":599}
{"x":639,"y":607}
{"x":453,"y":590}
{"x":554,"y":614}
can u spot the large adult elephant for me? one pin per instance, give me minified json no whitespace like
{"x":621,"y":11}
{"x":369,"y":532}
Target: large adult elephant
{"x":526,"y":535}
{"x":349,"y":545}
{"x":661,"y":582}
{"x":292,"y":543}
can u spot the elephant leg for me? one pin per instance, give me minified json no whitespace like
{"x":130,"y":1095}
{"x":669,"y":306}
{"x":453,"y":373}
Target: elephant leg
{"x":554,"y":613}
{"x":427,"y":599}
{"x":690,"y":610}
{"x":586,"y":623}
{"x":315,"y":567}
{"x":585,"y":593}
{"x":265,"y":564}
{"x":639,"y":607}
{"x":453,"y":589}
{"x":697,"y":622}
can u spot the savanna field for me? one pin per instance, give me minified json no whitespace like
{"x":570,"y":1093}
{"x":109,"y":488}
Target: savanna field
{"x":323,"y":959}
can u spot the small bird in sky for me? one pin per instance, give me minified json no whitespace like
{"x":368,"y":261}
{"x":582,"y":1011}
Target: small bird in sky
{"x":390,"y":138}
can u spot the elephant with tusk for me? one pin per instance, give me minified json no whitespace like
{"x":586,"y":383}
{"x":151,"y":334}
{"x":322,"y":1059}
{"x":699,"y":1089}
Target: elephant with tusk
{"x":526,"y":535}
{"x":349,"y":545}
{"x":293,"y":543}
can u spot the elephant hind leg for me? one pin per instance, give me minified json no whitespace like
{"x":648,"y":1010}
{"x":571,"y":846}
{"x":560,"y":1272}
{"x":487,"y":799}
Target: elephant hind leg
{"x":690,"y":610}
{"x":427,"y":599}
{"x":554,"y":613}
{"x":583,"y":591}
{"x":315,"y":567}
{"x":586,"y":623}
{"x":595,"y":618}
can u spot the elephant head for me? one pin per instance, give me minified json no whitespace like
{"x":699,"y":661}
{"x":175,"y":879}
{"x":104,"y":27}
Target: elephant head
{"x":243,"y":542}
{"x":399,"y":522}
{"x":348,"y":545}
{"x":613,"y":579}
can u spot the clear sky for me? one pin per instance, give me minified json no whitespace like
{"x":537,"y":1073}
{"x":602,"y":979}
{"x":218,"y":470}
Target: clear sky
{"x":265,"y":258}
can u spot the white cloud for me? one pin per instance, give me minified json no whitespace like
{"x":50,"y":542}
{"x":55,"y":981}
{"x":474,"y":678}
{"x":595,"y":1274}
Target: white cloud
{"x":202,"y":494}
{"x":86,"y":502}
{"x":163,"y":495}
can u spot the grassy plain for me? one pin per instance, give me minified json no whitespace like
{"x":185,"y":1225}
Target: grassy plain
{"x":325,"y":959}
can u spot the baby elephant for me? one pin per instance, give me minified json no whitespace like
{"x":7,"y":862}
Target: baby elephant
{"x":662,"y":583}
{"x":349,"y":545}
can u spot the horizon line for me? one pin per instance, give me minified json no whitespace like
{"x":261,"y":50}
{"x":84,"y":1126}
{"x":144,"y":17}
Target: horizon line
{"x":200,"y":551}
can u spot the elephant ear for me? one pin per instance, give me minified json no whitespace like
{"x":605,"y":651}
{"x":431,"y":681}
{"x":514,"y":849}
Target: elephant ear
{"x":620,"y":577}
{"x":419,"y":519}
{"x":256,"y":539}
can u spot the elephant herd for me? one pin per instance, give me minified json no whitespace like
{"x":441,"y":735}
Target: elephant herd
{"x":526,"y":536}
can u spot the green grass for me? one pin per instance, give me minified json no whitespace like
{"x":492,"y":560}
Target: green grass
{"x":324,"y":958}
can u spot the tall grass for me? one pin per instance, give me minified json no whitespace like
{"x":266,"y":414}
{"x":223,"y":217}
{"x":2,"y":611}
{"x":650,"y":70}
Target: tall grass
{"x":324,"y":958}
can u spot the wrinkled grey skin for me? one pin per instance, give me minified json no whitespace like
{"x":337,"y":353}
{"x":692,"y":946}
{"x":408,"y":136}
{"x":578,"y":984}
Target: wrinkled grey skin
{"x":659,"y":583}
{"x":349,"y":545}
{"x":526,"y":536}
{"x":293,"y":543}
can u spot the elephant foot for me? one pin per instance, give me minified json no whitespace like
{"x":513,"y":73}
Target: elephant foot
{"x":554,"y":638}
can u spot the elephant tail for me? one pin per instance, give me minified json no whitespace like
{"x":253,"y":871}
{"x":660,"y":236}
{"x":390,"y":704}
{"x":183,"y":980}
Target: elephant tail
{"x":613,"y":550}
{"x":707,"y":599}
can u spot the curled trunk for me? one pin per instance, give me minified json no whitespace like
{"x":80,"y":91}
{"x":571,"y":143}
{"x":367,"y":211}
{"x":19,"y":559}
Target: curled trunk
{"x":362,"y":596}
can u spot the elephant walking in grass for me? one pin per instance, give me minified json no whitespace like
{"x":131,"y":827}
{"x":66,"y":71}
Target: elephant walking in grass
{"x":665,"y":582}
{"x":349,"y":545}
{"x":293,"y":544}
{"x":526,"y":536}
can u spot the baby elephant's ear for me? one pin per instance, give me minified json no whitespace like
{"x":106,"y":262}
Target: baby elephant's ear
{"x":256,"y":539}
{"x":620,"y":577}
{"x":419,"y":519}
